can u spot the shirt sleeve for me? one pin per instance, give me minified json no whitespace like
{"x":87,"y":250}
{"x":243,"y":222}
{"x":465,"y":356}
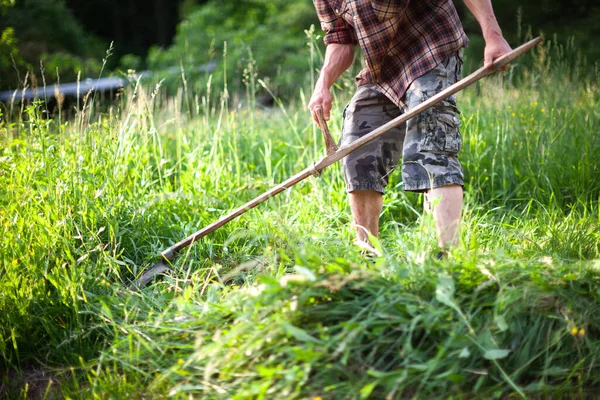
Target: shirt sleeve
{"x":337,"y":30}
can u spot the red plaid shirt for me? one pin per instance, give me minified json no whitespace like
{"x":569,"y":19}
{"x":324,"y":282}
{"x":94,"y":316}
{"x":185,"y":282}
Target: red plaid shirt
{"x":401,"y":40}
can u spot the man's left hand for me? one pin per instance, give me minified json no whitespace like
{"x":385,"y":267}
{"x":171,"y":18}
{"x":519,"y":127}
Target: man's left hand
{"x":495,"y":47}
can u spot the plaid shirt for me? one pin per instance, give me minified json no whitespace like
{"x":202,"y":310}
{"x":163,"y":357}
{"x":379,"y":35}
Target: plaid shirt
{"x":401,"y":40}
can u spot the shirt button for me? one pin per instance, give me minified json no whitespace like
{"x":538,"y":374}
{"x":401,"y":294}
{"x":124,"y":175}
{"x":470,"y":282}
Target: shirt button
{"x":337,"y":10}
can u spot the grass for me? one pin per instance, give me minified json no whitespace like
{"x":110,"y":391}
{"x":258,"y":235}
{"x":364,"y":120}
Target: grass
{"x":279,"y":303}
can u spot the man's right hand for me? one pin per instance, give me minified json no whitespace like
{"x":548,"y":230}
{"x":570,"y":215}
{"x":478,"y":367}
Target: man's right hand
{"x":321,"y":97}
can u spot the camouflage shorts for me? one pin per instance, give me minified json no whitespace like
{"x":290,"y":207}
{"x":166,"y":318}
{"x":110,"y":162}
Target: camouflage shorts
{"x":428,"y":143}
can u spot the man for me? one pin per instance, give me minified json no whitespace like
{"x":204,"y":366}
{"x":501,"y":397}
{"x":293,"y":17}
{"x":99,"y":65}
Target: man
{"x":412,"y":50}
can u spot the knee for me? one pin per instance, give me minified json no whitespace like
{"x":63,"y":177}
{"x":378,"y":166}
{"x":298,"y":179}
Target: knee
{"x":365,"y":194}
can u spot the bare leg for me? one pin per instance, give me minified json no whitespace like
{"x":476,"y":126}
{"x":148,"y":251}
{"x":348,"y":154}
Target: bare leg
{"x":446,"y":213}
{"x":366,"y":207}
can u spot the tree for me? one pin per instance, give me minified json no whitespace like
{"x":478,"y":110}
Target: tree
{"x":41,"y":30}
{"x":9,"y":50}
{"x":265,"y":37}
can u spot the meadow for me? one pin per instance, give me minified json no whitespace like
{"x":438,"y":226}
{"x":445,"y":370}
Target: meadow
{"x":280,"y":303}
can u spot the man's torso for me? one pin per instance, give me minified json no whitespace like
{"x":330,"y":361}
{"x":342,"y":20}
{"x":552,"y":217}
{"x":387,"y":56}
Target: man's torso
{"x":400,"y":39}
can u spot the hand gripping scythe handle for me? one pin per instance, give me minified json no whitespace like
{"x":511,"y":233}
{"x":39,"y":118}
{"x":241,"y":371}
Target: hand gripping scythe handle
{"x":332,"y":157}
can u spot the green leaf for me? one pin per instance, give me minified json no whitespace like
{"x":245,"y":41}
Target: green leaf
{"x":305,"y":272}
{"x":300,"y":334}
{"x":501,"y":323}
{"x":445,"y":290}
{"x":495,"y":354}
{"x":366,"y":391}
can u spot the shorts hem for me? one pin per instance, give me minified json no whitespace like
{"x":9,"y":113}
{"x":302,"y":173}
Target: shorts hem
{"x":364,"y":186}
{"x":440,"y":181}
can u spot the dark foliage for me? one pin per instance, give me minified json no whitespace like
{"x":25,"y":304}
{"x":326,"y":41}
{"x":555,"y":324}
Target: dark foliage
{"x":74,"y":35}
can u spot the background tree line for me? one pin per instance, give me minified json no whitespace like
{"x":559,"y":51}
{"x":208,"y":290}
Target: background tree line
{"x":265,"y":37}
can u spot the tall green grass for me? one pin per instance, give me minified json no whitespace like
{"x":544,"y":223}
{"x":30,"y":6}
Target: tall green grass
{"x":279,"y":303}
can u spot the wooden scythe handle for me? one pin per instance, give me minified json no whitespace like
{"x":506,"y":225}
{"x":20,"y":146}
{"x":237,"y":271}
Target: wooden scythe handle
{"x":330,"y":145}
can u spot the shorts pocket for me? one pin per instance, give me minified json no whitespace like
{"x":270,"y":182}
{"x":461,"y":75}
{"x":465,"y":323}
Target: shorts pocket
{"x":386,"y":9}
{"x":439,"y":131}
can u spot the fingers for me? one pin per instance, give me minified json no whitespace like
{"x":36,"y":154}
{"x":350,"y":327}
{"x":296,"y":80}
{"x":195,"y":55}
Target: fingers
{"x":322,"y":104}
{"x":321,"y":118}
{"x":321,"y":98}
{"x":326,"y":111}
{"x":487,"y":62}
{"x":493,"y":50}
{"x":313,"y":107}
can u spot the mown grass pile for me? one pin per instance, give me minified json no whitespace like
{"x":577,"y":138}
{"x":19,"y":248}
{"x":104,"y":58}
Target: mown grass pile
{"x":279,"y":303}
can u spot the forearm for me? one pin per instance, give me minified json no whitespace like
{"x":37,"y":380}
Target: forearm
{"x":338,"y":58}
{"x":484,"y":13}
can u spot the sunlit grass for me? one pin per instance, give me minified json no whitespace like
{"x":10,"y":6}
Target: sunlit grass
{"x":279,"y":303}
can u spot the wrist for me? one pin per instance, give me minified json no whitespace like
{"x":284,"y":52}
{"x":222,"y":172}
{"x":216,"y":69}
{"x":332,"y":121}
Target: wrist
{"x":492,"y":33}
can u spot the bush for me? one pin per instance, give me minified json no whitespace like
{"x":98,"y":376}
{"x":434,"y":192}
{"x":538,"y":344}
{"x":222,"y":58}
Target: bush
{"x":9,"y":57}
{"x":266,"y":34}
{"x":44,"y":30}
{"x":130,"y":61}
{"x":69,"y":66}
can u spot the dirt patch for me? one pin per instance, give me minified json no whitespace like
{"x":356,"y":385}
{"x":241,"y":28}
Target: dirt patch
{"x":33,"y":382}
